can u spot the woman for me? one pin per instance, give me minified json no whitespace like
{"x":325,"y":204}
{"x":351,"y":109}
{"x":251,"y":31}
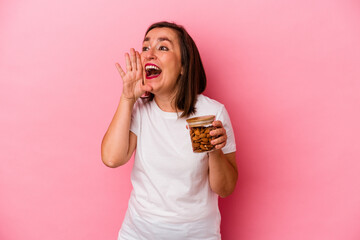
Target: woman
{"x":175,"y":191}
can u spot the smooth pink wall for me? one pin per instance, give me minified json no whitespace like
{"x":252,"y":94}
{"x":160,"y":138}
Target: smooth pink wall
{"x":287,"y":71}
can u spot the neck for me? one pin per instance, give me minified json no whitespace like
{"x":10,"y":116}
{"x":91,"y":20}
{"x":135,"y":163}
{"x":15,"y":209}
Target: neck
{"x":166,"y":103}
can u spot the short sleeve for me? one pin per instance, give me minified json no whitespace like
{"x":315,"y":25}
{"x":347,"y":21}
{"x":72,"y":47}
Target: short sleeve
{"x":223,"y":116}
{"x":135,"y":119}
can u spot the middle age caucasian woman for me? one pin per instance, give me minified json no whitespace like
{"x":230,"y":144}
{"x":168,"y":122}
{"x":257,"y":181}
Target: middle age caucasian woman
{"x":175,"y":191}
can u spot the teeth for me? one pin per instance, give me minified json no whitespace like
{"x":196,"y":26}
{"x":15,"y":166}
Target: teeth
{"x":151,"y":67}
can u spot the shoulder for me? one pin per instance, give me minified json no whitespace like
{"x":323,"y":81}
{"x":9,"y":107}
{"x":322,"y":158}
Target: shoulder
{"x":142,"y":104}
{"x":208,"y":106}
{"x":140,"y":109}
{"x":205,"y":101}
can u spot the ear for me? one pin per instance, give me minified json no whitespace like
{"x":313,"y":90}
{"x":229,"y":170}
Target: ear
{"x":182,"y":71}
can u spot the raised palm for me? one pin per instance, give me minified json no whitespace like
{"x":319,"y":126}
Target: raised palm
{"x":133,"y":78}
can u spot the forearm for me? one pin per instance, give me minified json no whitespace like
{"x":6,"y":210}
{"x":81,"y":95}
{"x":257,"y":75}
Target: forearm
{"x":115,"y":144}
{"x":222,"y":172}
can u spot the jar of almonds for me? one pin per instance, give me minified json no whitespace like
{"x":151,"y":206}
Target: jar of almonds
{"x":200,"y":128}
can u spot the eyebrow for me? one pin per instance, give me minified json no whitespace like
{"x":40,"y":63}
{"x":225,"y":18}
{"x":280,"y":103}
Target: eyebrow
{"x":160,"y":39}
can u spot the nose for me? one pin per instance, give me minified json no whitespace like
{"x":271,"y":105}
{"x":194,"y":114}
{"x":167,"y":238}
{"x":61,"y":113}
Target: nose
{"x":149,"y":54}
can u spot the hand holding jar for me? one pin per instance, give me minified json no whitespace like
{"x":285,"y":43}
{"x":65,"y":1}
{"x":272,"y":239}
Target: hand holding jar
{"x":220,"y":135}
{"x":206,"y":134}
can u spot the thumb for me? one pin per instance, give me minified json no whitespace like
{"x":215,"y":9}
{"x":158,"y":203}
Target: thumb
{"x":146,"y":88}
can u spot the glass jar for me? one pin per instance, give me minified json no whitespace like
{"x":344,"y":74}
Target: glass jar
{"x":200,"y":128}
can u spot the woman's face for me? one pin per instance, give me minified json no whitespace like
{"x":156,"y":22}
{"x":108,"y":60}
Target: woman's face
{"x":161,"y":60}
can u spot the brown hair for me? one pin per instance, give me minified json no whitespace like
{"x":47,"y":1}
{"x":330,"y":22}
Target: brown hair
{"x":193,"y":80}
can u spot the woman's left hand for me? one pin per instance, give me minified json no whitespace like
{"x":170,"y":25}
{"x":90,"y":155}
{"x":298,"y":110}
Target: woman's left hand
{"x":220,"y":134}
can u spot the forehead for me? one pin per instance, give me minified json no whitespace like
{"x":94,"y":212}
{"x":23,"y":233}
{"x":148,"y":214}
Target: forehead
{"x":158,"y":33}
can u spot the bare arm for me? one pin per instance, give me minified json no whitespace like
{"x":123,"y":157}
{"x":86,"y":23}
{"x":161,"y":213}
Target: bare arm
{"x":223,"y":172}
{"x":119,"y":142}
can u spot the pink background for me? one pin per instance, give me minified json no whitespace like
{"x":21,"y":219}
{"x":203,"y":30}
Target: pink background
{"x":287,"y":71}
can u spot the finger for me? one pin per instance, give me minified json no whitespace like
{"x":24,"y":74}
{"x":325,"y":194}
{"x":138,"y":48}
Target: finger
{"x":127,"y":61}
{"x":218,"y":131}
{"x":146,"y":88}
{"x":217,"y":124}
{"x":118,"y":67}
{"x":138,"y":61}
{"x":220,"y":146}
{"x":219,"y":140}
{"x":139,"y":67}
{"x":133,"y":59}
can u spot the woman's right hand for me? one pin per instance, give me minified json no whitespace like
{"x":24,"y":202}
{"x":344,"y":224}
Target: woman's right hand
{"x":133,"y":80}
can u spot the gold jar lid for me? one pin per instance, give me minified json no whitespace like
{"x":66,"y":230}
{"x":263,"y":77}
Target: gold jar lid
{"x":200,"y":121}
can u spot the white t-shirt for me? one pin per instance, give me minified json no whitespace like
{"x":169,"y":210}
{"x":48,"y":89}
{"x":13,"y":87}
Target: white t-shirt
{"x":171,"y":197}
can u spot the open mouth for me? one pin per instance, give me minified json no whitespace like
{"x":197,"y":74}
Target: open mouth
{"x":152,"y":71}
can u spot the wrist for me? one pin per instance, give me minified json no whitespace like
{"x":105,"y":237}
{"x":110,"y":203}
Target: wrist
{"x":127,"y":100}
{"x":216,"y":153}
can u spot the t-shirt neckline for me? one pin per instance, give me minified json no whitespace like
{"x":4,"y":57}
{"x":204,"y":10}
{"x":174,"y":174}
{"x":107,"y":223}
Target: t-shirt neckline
{"x":169,"y":115}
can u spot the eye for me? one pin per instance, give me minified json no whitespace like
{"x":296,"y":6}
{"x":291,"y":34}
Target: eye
{"x":145,"y":49}
{"x":163,"y":48}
